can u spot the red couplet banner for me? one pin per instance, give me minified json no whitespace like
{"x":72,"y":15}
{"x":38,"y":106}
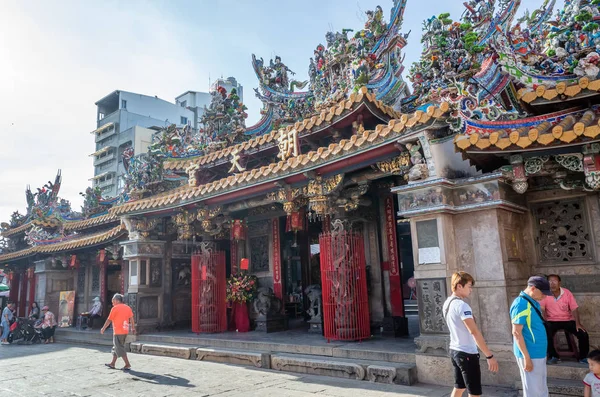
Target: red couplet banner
{"x":394,"y":268}
{"x":277,"y":286}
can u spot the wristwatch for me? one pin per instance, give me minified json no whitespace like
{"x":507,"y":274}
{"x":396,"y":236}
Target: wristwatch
{"x":492,"y":356}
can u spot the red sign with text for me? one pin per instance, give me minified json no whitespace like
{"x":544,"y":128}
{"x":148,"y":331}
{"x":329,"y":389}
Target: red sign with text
{"x":393,"y":263}
{"x":277,"y":286}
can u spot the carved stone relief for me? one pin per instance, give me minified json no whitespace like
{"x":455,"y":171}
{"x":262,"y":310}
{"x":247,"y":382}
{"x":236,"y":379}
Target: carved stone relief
{"x":148,"y":307}
{"x":562,"y":232}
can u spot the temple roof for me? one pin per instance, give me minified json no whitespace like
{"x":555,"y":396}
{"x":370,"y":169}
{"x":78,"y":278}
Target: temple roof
{"x":67,"y":225}
{"x":562,"y":91}
{"x":321,"y":121}
{"x":82,"y":242}
{"x":362,"y":142}
{"x":536,"y":133}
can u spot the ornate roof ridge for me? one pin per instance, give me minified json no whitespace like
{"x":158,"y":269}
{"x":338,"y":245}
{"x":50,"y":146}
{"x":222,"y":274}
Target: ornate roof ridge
{"x":189,"y":194}
{"x":79,"y":224}
{"x":78,"y":243}
{"x":325,"y":116}
{"x":546,"y":132}
{"x":561,"y":90}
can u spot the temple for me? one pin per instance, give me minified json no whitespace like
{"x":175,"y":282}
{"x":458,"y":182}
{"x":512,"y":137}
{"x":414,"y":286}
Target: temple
{"x":356,"y":195}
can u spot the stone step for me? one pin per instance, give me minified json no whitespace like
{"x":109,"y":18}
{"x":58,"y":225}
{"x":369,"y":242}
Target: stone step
{"x":374,"y":371}
{"x":71,"y":335}
{"x":560,"y":387}
{"x":362,"y":351}
{"x":568,"y":371}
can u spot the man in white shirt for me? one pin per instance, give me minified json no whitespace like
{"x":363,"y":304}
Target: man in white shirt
{"x":465,"y":337}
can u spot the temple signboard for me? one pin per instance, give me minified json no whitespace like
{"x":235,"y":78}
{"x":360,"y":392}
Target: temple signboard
{"x":432,"y":295}
{"x":287,"y":142}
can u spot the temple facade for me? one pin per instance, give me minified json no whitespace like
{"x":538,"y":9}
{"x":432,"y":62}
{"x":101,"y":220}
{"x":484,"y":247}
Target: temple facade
{"x":354,"y":195}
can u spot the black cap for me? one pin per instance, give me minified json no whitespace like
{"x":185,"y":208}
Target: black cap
{"x":540,"y":283}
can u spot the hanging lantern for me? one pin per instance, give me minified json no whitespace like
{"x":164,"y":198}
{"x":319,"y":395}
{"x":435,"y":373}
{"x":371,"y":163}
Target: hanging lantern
{"x":318,"y":208}
{"x":101,"y":255}
{"x":30,"y":272}
{"x":11,"y":275}
{"x":238,"y":230}
{"x":297,"y":220}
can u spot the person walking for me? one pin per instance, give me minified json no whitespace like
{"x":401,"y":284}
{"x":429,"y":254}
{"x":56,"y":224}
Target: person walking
{"x":7,"y":316}
{"x":121,"y":317}
{"x":530,"y":342}
{"x":465,"y":338}
{"x":561,"y":312}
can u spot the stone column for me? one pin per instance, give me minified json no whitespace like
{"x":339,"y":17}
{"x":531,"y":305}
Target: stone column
{"x":145,"y":292}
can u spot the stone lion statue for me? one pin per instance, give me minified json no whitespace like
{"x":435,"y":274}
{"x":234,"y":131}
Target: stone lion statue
{"x":314,"y":294}
{"x":266,"y":302}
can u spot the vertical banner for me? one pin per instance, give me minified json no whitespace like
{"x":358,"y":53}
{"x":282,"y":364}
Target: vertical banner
{"x":103,"y":265}
{"x":234,"y":256}
{"x":396,"y":297}
{"x":277,"y":286}
{"x":66,"y":306}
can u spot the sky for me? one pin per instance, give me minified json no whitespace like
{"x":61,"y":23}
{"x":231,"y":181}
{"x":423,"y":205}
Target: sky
{"x":58,"y":58}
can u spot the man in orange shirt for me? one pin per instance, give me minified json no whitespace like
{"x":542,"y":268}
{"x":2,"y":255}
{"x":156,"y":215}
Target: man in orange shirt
{"x":561,"y":312}
{"x":121,"y":317}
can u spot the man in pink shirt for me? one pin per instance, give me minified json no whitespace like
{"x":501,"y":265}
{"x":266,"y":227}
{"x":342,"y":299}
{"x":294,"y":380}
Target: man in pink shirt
{"x":560,"y":311}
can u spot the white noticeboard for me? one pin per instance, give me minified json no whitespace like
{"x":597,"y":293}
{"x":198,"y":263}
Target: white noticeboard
{"x":429,"y":255}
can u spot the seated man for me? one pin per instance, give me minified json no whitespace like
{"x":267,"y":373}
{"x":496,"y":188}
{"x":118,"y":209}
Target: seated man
{"x":95,"y":312}
{"x":560,"y":311}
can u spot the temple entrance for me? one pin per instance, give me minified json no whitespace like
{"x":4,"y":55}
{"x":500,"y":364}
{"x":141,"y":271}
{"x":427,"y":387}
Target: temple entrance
{"x":301,"y":271}
{"x":181,"y":292}
{"x":114,"y":280}
{"x":344,"y":279}
{"x":209,"y":310}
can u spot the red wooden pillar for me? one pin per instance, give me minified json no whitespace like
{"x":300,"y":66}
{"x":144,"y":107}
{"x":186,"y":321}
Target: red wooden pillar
{"x":396,"y":297}
{"x":22,"y":296}
{"x":32,"y":283}
{"x":277,"y":282}
{"x":13,"y":296}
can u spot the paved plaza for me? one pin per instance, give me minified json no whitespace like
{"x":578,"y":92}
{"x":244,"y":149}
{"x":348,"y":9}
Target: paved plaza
{"x":77,"y":370}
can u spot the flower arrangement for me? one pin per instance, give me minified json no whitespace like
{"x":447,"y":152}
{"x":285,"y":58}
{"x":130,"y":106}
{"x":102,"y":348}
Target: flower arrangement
{"x":241,"y":288}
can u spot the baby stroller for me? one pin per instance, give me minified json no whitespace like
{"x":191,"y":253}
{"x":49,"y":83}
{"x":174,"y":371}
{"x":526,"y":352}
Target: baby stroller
{"x":22,"y":331}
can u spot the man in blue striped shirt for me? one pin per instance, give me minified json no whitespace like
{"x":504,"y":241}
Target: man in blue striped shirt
{"x":530,"y":342}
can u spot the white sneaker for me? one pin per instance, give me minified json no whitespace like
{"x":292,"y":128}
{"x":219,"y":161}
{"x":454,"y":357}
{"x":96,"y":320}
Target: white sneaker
{"x":5,"y":343}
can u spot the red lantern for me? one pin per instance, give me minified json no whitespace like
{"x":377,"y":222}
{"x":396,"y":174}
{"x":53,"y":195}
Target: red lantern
{"x":11,"y":275}
{"x":296,"y":220}
{"x":30,"y":272}
{"x":102,"y":254}
{"x":238,"y":230}
{"x":244,"y":264}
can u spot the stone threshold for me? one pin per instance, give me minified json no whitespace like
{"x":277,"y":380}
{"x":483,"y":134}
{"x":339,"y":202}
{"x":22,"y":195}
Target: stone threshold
{"x":374,"y":371}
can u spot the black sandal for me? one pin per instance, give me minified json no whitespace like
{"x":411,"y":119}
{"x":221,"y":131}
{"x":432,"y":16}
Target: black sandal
{"x":110,"y":366}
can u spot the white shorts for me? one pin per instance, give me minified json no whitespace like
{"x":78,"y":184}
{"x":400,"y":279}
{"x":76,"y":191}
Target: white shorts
{"x":534,"y":382}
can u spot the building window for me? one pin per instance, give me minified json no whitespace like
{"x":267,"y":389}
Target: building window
{"x":562,"y":232}
{"x":100,"y":116}
{"x":184,"y":104}
{"x":123,"y":104}
{"x":133,"y":272}
{"x":183,"y":120}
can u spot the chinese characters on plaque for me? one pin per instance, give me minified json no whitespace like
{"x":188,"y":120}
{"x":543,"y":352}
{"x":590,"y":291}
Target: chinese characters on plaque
{"x":287,"y":141}
{"x":432,"y":295}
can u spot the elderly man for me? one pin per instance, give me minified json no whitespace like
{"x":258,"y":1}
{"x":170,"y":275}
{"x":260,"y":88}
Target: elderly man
{"x":94,"y":313}
{"x":121,"y":317}
{"x":561,"y":312}
{"x":529,"y":336}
